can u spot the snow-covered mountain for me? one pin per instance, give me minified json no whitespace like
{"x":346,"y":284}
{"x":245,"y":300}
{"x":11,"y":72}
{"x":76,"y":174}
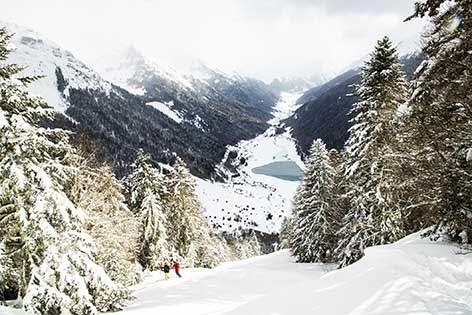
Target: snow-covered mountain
{"x":163,"y":112}
{"x":192,"y":89}
{"x":253,"y":94}
{"x":190,"y":113}
{"x":129,"y":69}
{"x":323,"y":110}
{"x":296,"y":84}
{"x":43,"y":57}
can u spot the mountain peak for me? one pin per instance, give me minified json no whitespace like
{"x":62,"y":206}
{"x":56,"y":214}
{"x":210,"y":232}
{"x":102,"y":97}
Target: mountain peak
{"x":132,"y":54}
{"x":44,"y":57}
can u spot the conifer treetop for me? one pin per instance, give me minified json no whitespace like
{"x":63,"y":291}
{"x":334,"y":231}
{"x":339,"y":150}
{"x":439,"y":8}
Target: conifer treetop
{"x":432,"y":8}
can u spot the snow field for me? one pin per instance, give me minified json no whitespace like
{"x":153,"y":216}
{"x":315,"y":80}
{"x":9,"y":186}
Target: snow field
{"x":412,"y":276}
{"x":166,"y":109}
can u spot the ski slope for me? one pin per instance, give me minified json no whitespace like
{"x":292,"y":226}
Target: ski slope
{"x":413,"y":276}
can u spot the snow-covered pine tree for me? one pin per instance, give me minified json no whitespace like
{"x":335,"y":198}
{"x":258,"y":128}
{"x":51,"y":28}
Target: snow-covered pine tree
{"x":255,"y":248}
{"x":299,"y":204}
{"x":246,"y":244}
{"x":439,"y":127}
{"x":145,"y":186}
{"x":47,"y":257}
{"x":316,"y":216}
{"x":213,"y":251}
{"x":373,"y":217}
{"x":111,"y":224}
{"x":184,"y":217}
{"x":302,"y":194}
{"x":286,"y":233}
{"x":336,"y":160}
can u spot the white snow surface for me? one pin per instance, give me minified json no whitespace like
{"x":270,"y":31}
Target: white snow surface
{"x":469,"y":155}
{"x":257,"y":201}
{"x":286,"y":106}
{"x":413,"y":276}
{"x":166,"y":109}
{"x":41,"y":56}
{"x":3,"y":119}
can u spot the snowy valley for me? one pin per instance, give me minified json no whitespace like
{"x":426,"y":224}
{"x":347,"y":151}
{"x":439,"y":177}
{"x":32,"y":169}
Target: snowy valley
{"x":249,"y":199}
{"x":297,"y":158}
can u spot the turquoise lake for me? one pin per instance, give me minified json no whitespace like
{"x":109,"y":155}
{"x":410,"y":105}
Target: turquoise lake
{"x":286,"y":170}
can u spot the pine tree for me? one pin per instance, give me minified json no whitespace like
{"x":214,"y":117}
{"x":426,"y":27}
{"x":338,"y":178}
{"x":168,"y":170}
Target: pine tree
{"x":286,"y":233}
{"x":373,"y":217}
{"x":213,"y":252}
{"x":247,"y":245}
{"x":340,"y":189}
{"x":439,"y":126}
{"x":111,"y":224}
{"x":145,"y":186}
{"x":185,"y":220}
{"x":316,"y":215}
{"x":255,"y":248}
{"x":47,"y":257}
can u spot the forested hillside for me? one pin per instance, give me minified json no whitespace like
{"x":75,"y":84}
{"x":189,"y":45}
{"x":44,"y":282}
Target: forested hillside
{"x":121,"y":122}
{"x":325,"y":110}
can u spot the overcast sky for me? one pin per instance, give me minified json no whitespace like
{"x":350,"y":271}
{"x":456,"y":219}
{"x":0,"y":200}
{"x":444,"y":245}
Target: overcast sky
{"x":261,"y":38}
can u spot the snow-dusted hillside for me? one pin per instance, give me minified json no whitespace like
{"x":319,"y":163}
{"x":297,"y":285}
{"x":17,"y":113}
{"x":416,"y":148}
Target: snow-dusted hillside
{"x":183,"y":115}
{"x":413,"y":276}
{"x":128,"y":68}
{"x":193,"y":86}
{"x":43,"y":57}
{"x":250,"y":200}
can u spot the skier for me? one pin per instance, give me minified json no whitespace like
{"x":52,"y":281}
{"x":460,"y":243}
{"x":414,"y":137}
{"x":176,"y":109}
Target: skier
{"x":166,"y":270}
{"x":176,"y":267}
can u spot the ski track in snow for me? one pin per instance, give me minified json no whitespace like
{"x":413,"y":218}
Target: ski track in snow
{"x":413,"y":276}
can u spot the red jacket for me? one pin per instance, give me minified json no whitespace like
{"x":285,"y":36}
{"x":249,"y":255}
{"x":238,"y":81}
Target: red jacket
{"x":176,"y":266}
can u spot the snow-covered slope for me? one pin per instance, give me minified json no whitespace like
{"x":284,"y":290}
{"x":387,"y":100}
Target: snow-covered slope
{"x":189,"y":119}
{"x":128,"y":68}
{"x":249,"y":200}
{"x":193,"y":86}
{"x":413,"y":276}
{"x":43,"y":57}
{"x":166,"y":109}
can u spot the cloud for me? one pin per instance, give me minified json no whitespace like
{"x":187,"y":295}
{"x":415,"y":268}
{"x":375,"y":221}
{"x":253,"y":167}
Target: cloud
{"x":263,"y":38}
{"x":399,"y":7}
